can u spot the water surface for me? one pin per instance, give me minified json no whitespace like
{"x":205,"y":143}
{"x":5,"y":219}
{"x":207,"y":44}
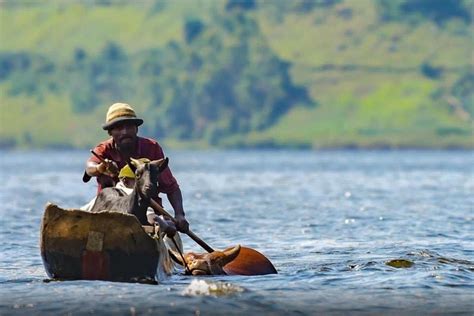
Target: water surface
{"x":329,"y":221}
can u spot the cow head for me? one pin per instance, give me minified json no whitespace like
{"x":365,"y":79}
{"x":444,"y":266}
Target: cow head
{"x":207,"y":263}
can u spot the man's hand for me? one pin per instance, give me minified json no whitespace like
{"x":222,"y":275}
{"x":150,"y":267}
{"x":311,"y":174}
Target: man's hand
{"x":166,"y":226}
{"x":176,"y":200}
{"x":108,"y":167}
{"x":181,"y":223}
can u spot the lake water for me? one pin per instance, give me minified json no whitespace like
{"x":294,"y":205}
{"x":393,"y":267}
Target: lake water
{"x":328,"y":220}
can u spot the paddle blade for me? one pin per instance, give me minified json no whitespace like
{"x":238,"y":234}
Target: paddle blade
{"x":249,"y":262}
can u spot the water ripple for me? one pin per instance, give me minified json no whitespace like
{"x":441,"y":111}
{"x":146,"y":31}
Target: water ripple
{"x":329,"y":221}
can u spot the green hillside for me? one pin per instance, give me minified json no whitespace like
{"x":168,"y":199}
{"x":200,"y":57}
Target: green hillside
{"x":318,"y":73}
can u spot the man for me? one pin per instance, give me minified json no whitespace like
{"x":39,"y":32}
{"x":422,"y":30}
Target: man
{"x":121,"y":123}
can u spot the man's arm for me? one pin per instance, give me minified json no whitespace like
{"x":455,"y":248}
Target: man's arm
{"x":92,"y":168}
{"x":106,"y":167}
{"x":176,"y":201}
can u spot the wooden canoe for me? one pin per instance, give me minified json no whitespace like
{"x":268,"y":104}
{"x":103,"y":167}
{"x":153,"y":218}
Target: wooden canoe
{"x":112,"y":246}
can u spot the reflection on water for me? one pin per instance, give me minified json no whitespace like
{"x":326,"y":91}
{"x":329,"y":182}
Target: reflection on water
{"x":330,"y":222}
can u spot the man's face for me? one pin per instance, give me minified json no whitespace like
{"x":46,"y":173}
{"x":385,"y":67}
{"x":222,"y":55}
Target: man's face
{"x":124,"y":135}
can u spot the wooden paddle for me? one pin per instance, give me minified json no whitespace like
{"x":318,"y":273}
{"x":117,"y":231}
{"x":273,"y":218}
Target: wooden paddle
{"x":157,"y":207}
{"x":248,"y":262}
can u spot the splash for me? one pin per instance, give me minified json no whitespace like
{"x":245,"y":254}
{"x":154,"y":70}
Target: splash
{"x":206,"y":288}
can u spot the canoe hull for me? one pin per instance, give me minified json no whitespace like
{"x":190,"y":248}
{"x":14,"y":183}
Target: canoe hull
{"x":78,"y":245}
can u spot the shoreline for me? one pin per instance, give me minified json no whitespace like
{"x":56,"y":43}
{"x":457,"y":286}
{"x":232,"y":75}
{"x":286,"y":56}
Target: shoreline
{"x":295,"y":147}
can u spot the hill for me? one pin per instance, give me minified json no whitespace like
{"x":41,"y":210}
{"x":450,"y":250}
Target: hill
{"x":321,"y":73}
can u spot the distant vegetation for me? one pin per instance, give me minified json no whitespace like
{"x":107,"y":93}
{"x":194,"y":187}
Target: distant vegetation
{"x":419,"y":11}
{"x":307,"y":73}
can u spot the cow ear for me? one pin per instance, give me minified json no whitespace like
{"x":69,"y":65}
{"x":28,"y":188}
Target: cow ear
{"x":176,"y":257}
{"x":230,"y":254}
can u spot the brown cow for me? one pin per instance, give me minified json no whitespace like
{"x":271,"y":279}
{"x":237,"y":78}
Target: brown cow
{"x":207,"y":263}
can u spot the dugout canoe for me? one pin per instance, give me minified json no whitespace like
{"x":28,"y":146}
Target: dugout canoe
{"x":111,"y":246}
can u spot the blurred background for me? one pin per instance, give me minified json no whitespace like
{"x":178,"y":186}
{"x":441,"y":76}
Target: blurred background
{"x":240,"y":73}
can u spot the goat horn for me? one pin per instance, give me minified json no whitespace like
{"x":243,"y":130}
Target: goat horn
{"x":135,"y":162}
{"x":132,"y":165}
{"x":157,"y":162}
{"x":161,"y":164}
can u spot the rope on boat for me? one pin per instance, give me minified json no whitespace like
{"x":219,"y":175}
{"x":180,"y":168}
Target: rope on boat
{"x":186,"y":268}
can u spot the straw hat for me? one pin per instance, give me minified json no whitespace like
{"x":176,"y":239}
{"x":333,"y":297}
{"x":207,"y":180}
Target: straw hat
{"x":118,"y":113}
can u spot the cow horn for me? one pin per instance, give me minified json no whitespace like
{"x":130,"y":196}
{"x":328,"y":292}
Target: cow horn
{"x":231,"y":254}
{"x":176,"y":257}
